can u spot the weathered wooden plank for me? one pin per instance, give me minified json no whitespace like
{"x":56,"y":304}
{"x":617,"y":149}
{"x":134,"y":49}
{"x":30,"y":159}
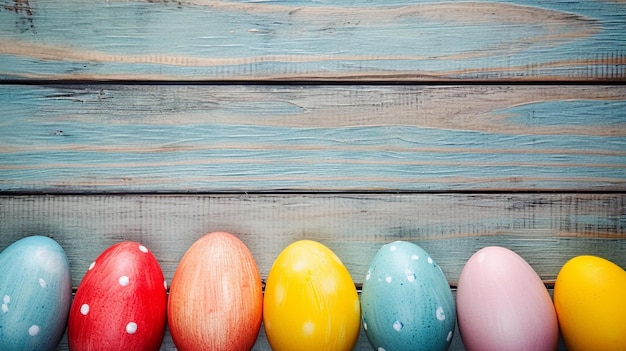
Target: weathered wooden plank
{"x":171,"y":138}
{"x":379,"y":40}
{"x":546,"y":229}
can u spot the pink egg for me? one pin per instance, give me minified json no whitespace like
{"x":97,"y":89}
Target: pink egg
{"x":502,"y":304}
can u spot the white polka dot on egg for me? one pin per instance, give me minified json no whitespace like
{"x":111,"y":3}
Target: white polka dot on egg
{"x":308,"y":328}
{"x":93,"y":264}
{"x":440,"y":314}
{"x":449,"y":336}
{"x":124,"y":280}
{"x":131,"y":328}
{"x":84,"y":309}
{"x":33,"y":330}
{"x":143,"y":249}
{"x":5,"y":303}
{"x":410,"y":276}
{"x":397,"y":326}
{"x":42,"y":283}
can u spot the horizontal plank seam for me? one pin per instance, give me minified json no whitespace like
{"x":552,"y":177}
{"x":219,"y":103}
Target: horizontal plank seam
{"x":11,"y":193}
{"x":314,"y":82}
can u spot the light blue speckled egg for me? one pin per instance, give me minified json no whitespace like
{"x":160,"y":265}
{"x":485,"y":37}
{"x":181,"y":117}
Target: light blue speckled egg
{"x":406,"y":302}
{"x":35,"y":294}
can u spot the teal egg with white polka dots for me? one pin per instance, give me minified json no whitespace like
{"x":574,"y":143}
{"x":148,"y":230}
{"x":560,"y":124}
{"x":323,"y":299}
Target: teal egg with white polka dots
{"x":406,"y":301}
{"x":35,"y":294}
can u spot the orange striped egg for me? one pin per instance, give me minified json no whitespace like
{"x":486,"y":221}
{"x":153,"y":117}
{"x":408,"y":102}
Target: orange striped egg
{"x":216,"y":296}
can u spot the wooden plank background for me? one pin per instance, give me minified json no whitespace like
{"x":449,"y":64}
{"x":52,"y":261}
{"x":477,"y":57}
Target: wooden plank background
{"x":546,"y":229}
{"x":322,"y":40}
{"x":95,"y":138}
{"x":454,"y":125}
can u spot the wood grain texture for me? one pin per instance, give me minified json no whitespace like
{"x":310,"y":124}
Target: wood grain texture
{"x":190,"y":138}
{"x":326,"y":40}
{"x":546,"y":229}
{"x":162,"y":157}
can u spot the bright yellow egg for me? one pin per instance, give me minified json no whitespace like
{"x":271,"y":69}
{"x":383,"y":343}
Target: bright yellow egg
{"x":590,"y":301}
{"x":310,"y":301}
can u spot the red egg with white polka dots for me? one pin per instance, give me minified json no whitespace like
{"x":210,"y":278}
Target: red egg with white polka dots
{"x":121,"y":302}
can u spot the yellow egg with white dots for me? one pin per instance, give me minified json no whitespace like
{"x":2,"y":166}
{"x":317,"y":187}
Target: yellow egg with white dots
{"x":310,"y":301}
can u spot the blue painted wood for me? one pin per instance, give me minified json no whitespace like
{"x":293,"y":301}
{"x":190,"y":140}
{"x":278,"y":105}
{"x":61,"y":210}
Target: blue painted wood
{"x":449,"y":142}
{"x":258,"y":138}
{"x":545,"y":229}
{"x":364,"y":40}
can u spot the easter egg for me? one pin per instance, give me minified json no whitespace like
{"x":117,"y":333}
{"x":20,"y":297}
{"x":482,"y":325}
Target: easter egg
{"x":310,"y":300}
{"x":35,"y":294}
{"x":406,"y":300}
{"x":216,"y":296}
{"x":590,"y":301}
{"x":502,"y":304}
{"x":120,"y":303}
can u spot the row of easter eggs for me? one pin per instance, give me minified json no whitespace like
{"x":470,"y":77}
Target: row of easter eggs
{"x":310,"y":302}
